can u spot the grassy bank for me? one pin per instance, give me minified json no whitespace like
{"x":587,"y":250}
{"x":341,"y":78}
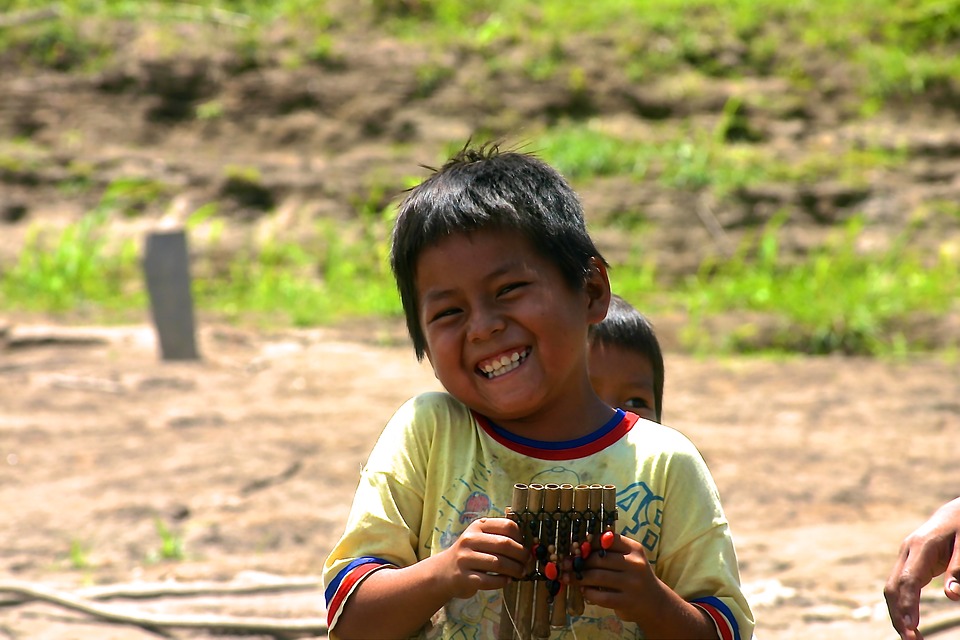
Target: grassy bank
{"x":837,"y":300}
{"x":892,"y":49}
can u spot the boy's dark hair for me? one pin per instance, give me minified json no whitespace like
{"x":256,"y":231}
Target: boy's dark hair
{"x":627,"y":328}
{"x":484,"y":188}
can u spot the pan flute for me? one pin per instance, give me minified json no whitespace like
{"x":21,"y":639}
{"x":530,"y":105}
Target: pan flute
{"x":561,"y":525}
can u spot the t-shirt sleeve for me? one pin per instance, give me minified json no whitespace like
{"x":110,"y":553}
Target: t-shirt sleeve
{"x":699,"y":560}
{"x":384,"y":524}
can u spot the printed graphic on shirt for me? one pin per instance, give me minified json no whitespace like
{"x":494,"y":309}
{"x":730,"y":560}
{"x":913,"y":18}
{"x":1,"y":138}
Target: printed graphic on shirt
{"x":640,"y":516}
{"x":475,"y":505}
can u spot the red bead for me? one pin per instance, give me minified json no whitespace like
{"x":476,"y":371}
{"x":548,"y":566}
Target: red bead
{"x":551,"y":571}
{"x":584,"y":549}
{"x":606,"y":540}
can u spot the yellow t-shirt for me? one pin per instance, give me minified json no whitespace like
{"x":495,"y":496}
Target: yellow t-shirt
{"x":437,"y":467}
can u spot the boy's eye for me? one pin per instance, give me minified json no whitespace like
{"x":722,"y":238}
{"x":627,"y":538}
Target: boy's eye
{"x":636,"y":403}
{"x":513,"y":286}
{"x":444,"y":313}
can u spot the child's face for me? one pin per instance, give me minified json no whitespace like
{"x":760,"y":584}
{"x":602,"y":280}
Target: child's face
{"x":623,"y":378}
{"x":505,"y":332}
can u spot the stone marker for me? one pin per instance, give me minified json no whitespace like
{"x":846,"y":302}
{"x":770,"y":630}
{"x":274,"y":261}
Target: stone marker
{"x":166,"y":264}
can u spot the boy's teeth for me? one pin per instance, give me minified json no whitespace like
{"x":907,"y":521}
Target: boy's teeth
{"x":504,"y":364}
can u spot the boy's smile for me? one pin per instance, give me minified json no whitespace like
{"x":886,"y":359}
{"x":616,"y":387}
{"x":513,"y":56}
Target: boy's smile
{"x":502,"y":364}
{"x":506,"y":332}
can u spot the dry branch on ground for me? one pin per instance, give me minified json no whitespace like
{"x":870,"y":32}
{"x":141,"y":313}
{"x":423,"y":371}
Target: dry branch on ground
{"x":86,"y":603}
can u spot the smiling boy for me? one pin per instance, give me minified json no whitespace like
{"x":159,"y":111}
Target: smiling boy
{"x":500,"y":282}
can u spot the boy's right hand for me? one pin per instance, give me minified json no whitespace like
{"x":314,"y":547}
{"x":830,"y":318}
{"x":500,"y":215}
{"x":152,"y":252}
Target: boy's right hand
{"x":487,"y":555}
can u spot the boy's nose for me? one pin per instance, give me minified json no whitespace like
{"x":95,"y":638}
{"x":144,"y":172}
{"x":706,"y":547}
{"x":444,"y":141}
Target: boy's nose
{"x":484,"y":323}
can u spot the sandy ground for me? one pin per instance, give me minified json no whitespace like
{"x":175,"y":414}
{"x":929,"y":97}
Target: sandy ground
{"x":249,"y":457}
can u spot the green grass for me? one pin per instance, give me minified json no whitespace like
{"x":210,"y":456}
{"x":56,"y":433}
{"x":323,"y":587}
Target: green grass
{"x":286,"y":283}
{"x":689,"y":158}
{"x":579,"y":151}
{"x":836,"y":300}
{"x":77,"y":270}
{"x":891,"y":49}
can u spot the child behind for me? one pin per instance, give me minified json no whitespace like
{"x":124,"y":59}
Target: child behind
{"x":500,"y":282}
{"x":626,"y":363}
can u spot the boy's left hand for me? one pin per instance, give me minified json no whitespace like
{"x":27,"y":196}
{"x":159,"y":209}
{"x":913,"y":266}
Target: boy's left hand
{"x":622,"y":580}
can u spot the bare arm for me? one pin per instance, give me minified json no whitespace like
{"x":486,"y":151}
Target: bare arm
{"x":395,"y":603}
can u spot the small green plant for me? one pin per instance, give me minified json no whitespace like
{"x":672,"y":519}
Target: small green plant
{"x":79,"y":555}
{"x":210,"y":110}
{"x":171,"y":543}
{"x":130,"y":196}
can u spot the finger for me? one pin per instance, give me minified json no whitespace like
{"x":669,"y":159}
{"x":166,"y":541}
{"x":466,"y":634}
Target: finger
{"x":500,"y":526}
{"x":494,"y":536}
{"x":891,"y":593}
{"x":613,"y":559}
{"x":490,"y":564}
{"x":951,"y":578}
{"x":600,"y":596}
{"x":614,"y":542}
{"x":908,"y":610}
{"x":488,"y":581}
{"x":913,"y":577}
{"x":603,"y":580}
{"x":511,"y":567}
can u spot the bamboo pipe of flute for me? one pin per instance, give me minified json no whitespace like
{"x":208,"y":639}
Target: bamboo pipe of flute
{"x":541,"y":607}
{"x":558,"y":615}
{"x":610,"y":507}
{"x":524,"y":618}
{"x":596,"y":507}
{"x":581,"y":502}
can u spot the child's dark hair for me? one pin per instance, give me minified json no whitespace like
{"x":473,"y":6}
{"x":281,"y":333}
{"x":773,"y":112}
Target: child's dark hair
{"x":484,"y":188}
{"x":627,"y":328}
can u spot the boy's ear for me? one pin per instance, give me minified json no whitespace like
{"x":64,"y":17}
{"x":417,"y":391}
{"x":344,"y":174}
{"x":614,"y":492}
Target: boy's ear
{"x":597,"y":287}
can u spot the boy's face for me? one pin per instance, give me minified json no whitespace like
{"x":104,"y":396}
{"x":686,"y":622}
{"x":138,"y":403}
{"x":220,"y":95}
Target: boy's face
{"x":623,"y":378}
{"x":505,"y":332}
